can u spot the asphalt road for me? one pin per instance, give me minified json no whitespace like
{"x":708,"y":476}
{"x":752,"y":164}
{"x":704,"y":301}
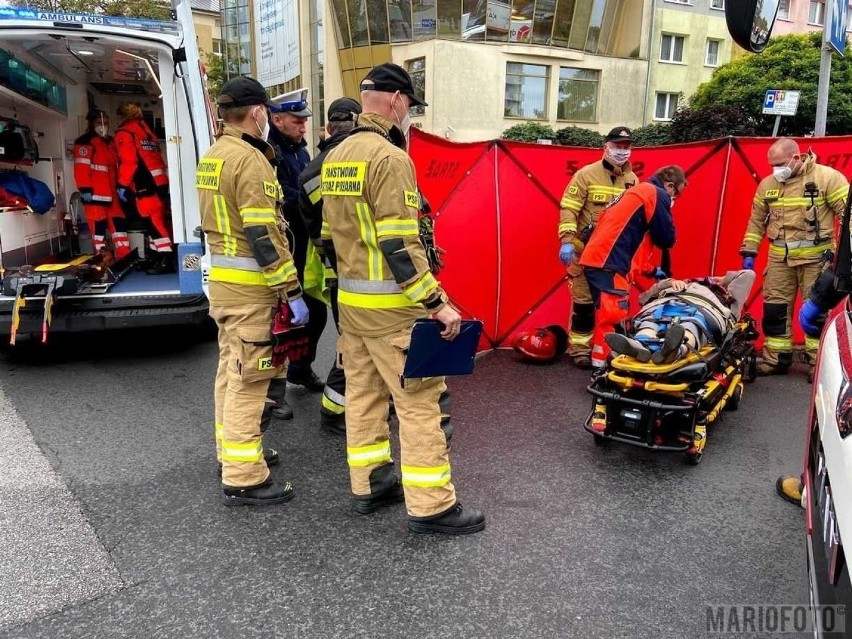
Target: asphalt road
{"x":111,"y":523}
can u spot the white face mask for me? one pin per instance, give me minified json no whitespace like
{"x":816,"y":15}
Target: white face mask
{"x":404,"y":122}
{"x":782,"y":173}
{"x":263,"y":130}
{"x":101,"y":130}
{"x":617,"y":156}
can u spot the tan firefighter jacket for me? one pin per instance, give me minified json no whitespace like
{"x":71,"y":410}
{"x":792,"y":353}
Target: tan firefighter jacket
{"x":240,"y":201}
{"x":590,"y":190}
{"x":790,"y":218}
{"x":370,"y":213}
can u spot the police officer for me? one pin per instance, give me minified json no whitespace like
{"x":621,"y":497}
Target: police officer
{"x":95,"y":172}
{"x":252,"y":272}
{"x":341,"y":118}
{"x":290,"y":115}
{"x":589,"y":191}
{"x":371,"y":205}
{"x":144,"y":179}
{"x":795,"y":209}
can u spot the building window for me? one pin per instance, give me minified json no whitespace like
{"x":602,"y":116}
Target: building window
{"x":217,"y":47}
{"x":526,"y":91}
{"x":717,"y":4}
{"x":816,"y":12}
{"x":417,"y":70}
{"x":578,"y":95}
{"x":784,"y":9}
{"x":666,"y":106}
{"x":671,"y":48}
{"x":679,"y":1}
{"x":711,"y":56}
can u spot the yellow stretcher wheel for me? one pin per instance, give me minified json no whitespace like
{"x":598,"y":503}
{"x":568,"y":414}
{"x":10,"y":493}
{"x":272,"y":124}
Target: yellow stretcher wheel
{"x":734,"y":399}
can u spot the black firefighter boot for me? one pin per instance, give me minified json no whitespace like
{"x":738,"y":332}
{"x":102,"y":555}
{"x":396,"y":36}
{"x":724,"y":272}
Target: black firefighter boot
{"x":455,"y":521}
{"x":266,"y":494}
{"x":385,"y":489}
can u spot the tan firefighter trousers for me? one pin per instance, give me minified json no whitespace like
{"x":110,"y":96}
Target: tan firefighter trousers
{"x":780,"y":286}
{"x":582,"y":313}
{"x":242,"y":381}
{"x":373,"y":369}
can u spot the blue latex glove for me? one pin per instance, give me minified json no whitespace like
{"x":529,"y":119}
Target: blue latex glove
{"x":566,"y":253}
{"x":86,"y":197}
{"x":810,"y":318}
{"x":300,"y":312}
{"x":748,"y":263}
{"x":122,"y":194}
{"x":660,"y":274}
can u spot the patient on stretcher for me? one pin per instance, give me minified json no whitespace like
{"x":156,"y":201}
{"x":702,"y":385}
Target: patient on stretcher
{"x":681,"y":316}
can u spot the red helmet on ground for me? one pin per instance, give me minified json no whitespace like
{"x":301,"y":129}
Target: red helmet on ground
{"x":542,"y":344}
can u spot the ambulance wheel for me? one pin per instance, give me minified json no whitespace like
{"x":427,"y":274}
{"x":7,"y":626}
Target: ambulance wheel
{"x":694,"y":458}
{"x":734,"y":399}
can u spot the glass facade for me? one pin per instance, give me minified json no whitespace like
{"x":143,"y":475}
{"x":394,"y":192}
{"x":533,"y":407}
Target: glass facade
{"x":603,"y":27}
{"x":237,"y":31}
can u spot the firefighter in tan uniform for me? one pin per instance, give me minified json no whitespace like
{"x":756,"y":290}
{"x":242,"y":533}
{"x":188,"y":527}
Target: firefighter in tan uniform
{"x":251,"y":271}
{"x":795,"y":209}
{"x":588,"y":193}
{"x":370,"y":210}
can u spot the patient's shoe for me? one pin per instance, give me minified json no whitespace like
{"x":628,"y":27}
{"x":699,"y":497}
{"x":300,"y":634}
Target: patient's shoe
{"x":627,"y":346}
{"x":670,"y":350}
{"x":598,"y":421}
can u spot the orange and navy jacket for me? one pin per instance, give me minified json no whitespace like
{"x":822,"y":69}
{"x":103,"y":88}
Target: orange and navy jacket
{"x":141,"y":167}
{"x":95,"y":168}
{"x":644,"y":209}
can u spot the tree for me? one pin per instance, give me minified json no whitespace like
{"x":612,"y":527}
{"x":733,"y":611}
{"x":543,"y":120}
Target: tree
{"x":789,"y":62}
{"x":154,"y":9}
{"x":655,"y":134}
{"x":692,"y":124}
{"x":215,"y":68}
{"x":528,"y":132}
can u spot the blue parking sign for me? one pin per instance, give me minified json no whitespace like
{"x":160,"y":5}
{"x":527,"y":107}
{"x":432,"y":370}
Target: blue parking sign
{"x":837,"y":24}
{"x":769,"y":100}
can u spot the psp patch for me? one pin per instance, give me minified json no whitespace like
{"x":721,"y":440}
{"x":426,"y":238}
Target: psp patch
{"x":273,"y":190}
{"x":343,"y":178}
{"x":208,"y":175}
{"x":598,"y":197}
{"x":412,"y":199}
{"x":772,"y":194}
{"x":264,"y":364}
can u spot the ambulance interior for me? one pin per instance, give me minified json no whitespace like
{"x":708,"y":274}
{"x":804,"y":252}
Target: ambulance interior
{"x":48,"y":83}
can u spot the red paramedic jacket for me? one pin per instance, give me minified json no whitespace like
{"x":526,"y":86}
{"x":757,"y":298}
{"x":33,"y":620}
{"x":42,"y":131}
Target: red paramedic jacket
{"x":621,"y":228}
{"x":95,"y":168}
{"x":140,"y":163}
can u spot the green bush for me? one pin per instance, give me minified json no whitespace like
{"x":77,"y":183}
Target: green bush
{"x":579,"y":136}
{"x":694,"y":124}
{"x":655,"y":134}
{"x":528,"y":132}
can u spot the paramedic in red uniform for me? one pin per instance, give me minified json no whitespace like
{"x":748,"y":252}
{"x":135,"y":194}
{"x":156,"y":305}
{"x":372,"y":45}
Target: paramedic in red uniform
{"x":142,"y":175}
{"x":95,"y":168}
{"x":621,"y":229}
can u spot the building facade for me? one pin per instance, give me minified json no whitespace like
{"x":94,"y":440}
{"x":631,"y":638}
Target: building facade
{"x":207,"y":20}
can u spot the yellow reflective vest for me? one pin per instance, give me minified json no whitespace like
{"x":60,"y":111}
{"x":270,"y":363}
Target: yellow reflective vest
{"x":370,"y":213}
{"x":790,"y":218}
{"x":590,"y":190}
{"x":240,"y":201}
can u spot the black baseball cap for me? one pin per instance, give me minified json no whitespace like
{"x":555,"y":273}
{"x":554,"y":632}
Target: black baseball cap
{"x":390,"y":78}
{"x":242,"y":91}
{"x":96,"y":114}
{"x":619,"y":134}
{"x":343,"y":110}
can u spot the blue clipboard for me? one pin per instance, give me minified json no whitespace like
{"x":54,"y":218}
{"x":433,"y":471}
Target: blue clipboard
{"x":430,"y":355}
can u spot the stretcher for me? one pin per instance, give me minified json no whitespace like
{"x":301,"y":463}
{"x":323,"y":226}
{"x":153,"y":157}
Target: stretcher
{"x":36,"y":288}
{"x":668,"y":407}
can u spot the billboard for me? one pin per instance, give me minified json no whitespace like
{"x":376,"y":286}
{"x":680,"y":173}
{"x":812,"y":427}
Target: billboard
{"x":276,"y":40}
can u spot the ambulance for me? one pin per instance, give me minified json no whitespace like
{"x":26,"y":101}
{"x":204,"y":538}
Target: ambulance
{"x":55,"y":68}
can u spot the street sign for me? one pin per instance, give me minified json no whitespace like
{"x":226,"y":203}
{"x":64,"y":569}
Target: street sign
{"x":836,"y":27}
{"x":780,"y":102}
